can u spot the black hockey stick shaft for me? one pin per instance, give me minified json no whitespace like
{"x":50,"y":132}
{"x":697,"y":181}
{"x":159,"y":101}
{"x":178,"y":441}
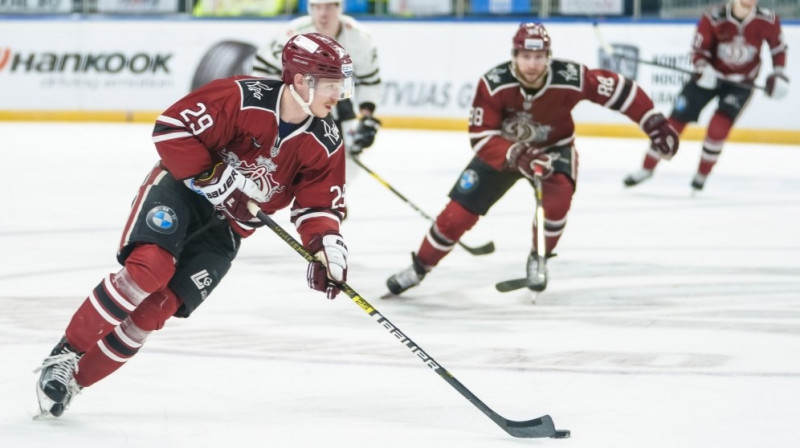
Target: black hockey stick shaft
{"x":609,"y":50}
{"x":538,"y":427}
{"x":480,"y":250}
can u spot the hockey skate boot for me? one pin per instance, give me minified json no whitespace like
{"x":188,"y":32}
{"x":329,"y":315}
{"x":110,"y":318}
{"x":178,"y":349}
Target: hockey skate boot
{"x":57,"y":385}
{"x":407,"y":278}
{"x":698,"y":182}
{"x":536,"y":281}
{"x":637,"y":177}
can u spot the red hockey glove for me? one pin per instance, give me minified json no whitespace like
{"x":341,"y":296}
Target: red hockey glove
{"x":662,"y":135}
{"x":229,"y":190}
{"x":777,"y":85}
{"x":524,"y":158}
{"x":330,"y":270}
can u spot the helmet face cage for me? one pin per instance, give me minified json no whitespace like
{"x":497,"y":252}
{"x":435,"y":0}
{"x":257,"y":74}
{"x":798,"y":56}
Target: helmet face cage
{"x":531,"y":36}
{"x":318,"y":57}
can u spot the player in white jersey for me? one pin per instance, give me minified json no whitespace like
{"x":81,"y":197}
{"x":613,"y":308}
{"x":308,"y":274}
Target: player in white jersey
{"x":325,"y":17}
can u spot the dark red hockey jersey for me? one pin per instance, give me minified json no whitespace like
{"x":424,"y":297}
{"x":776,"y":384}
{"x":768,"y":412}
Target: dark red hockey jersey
{"x":733,"y":47}
{"x":504,"y":113}
{"x":236,"y":120}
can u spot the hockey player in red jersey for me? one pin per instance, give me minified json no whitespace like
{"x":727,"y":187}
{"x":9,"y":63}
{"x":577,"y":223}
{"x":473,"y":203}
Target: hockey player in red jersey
{"x":521,"y":117}
{"x":232,"y":141}
{"x":726,"y":47}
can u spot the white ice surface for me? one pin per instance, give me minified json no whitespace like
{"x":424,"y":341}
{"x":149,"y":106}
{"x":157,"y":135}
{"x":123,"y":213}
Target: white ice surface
{"x":670,"y":320}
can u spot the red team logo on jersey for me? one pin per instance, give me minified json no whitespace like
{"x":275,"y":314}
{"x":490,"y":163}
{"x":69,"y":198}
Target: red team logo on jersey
{"x":737,"y":52}
{"x":522,"y":128}
{"x":260,"y":172}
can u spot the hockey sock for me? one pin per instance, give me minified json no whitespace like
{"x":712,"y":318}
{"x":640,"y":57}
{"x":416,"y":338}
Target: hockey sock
{"x":107,"y":306}
{"x":450,"y":225}
{"x":718,"y":129}
{"x":120,"y":345}
{"x":557,"y":193}
{"x":148,"y":268}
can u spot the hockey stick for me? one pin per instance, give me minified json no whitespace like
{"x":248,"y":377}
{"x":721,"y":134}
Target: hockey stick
{"x":535,"y":428}
{"x":480,"y":250}
{"x":609,"y":50}
{"x":525,"y":282}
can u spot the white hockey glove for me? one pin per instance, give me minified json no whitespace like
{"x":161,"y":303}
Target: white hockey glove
{"x":523,"y":157}
{"x":777,"y":85}
{"x":705,"y":76}
{"x":330,"y":270}
{"x":229,"y":190}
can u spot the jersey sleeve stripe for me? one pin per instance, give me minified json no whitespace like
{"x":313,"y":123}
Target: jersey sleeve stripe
{"x":301,"y":215}
{"x":612,"y":102}
{"x":170,"y":136}
{"x":631,"y":97}
{"x":170,"y":120}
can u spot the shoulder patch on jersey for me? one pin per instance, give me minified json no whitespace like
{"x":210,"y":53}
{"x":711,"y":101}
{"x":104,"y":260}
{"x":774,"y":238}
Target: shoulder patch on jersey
{"x":717,"y":12}
{"x":499,"y":75}
{"x":259,"y":93}
{"x":765,"y":14}
{"x":565,"y":73}
{"x":327,"y":133}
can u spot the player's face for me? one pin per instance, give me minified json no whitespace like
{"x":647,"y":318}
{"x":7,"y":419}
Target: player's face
{"x":325,"y":15}
{"x":748,"y":4}
{"x":327,"y":93}
{"x":531,"y":66}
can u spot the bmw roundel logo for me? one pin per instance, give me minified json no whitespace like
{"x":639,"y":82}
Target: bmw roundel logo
{"x":468,"y":181}
{"x":680,"y":103}
{"x":162,"y":219}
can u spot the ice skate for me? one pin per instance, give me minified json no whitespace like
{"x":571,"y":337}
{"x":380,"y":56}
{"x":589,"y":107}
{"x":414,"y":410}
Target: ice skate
{"x":408,"y":277}
{"x":637,"y":177}
{"x":537,"y":275}
{"x":698,"y":182}
{"x":57,"y":386}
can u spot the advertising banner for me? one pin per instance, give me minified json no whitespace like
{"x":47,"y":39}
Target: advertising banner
{"x":591,"y":7}
{"x":137,"y":6}
{"x":428,"y":70}
{"x":35,"y":6}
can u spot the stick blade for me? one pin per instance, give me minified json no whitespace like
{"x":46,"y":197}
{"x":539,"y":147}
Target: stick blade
{"x":512,"y":285}
{"x":541,"y":427}
{"x":480,"y":250}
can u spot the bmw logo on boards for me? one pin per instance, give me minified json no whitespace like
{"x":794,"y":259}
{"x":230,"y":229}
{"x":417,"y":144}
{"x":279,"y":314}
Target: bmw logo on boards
{"x":162,"y":219}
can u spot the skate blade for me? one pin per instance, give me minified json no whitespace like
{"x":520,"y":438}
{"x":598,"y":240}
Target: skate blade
{"x":46,"y":405}
{"x":43,"y":416}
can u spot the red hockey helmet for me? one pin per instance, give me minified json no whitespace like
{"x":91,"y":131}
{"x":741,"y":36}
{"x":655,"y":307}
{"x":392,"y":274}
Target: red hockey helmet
{"x":531,"y":36}
{"x":317,"y":56}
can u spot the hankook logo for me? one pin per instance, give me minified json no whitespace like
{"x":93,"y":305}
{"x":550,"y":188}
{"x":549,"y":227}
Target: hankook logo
{"x":117,"y":62}
{"x":5,"y":55}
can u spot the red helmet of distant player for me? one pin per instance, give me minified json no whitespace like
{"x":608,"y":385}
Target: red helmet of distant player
{"x":317,"y":56}
{"x":531,"y":36}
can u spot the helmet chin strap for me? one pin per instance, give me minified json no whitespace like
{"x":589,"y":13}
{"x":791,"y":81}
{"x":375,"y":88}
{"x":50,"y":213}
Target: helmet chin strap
{"x":303,"y":105}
